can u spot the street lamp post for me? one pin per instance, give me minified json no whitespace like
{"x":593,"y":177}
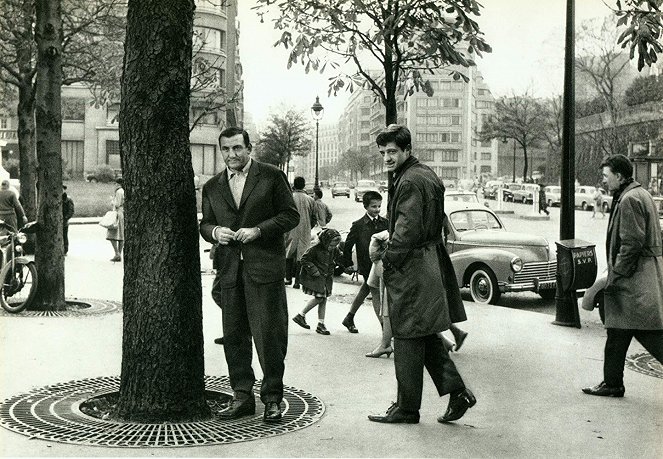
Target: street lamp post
{"x":514,"y":160}
{"x":317,"y":110}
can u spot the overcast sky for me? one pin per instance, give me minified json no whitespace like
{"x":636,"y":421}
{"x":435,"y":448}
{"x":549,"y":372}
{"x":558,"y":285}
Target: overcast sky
{"x":526,"y":36}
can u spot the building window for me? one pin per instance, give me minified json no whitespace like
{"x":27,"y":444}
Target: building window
{"x":486,"y":169}
{"x":213,"y":5}
{"x":73,"y":109}
{"x":431,"y":137}
{"x":426,"y":155}
{"x":432,"y":101}
{"x":455,"y":137}
{"x":451,"y":102}
{"x":365,"y":111}
{"x":483,"y":104}
{"x":201,"y":116}
{"x":445,"y":137}
{"x":483,"y":92}
{"x":365,"y":137}
{"x":455,"y":120}
{"x":435,"y":85}
{"x":422,"y":119}
{"x":365,"y":124}
{"x":486,"y":143}
{"x":421,"y":136}
{"x":203,"y":159}
{"x":446,"y":173}
{"x":486,"y":156}
{"x":113,"y":154}
{"x":208,"y":38}
{"x":4,"y":123}
{"x":72,"y":157}
{"x":449,"y":156}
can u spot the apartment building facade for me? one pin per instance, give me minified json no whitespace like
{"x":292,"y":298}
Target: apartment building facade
{"x":90,"y":135}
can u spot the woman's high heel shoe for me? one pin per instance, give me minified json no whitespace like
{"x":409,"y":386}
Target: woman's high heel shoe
{"x":380,"y":351}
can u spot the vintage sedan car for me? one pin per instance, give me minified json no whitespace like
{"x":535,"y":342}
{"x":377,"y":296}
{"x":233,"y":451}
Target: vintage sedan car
{"x":490,"y":260}
{"x":584,"y":197}
{"x":340,"y":189}
{"x":553,"y":195}
{"x":526,"y":193}
{"x":509,"y":189}
{"x":363,"y":186}
{"x":462,"y":196}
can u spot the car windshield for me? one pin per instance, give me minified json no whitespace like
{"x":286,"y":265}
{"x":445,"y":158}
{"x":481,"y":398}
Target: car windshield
{"x":366,"y":183}
{"x":462,"y":197}
{"x":515,"y":187}
{"x":474,"y":220}
{"x":337,"y":184}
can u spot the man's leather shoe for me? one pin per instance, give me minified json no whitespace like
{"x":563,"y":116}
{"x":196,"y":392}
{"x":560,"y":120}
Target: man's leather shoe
{"x":273,"y":412}
{"x":238,"y":408}
{"x":395,"y":415}
{"x":603,"y":390}
{"x":459,"y":403}
{"x":219,"y":341}
{"x":350,"y":325}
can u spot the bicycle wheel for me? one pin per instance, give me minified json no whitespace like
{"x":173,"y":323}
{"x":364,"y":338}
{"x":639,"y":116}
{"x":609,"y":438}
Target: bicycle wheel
{"x":19,"y":285}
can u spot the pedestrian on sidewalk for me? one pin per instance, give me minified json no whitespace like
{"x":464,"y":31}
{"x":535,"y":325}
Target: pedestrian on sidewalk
{"x":543,"y":203}
{"x":598,"y":202}
{"x":317,"y":276}
{"x":359,"y":237}
{"x":423,"y":295}
{"x":299,"y":238}
{"x":11,"y":210}
{"x":116,"y":235}
{"x":247,"y":209}
{"x":67,"y":213}
{"x":633,"y":295}
{"x":322,"y":213}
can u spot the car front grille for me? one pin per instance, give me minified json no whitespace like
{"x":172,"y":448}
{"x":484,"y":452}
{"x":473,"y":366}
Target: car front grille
{"x":543,"y":270}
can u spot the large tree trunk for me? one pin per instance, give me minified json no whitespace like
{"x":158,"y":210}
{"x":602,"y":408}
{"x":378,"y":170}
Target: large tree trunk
{"x":162,"y":352}
{"x":26,"y":149}
{"x":525,"y":166}
{"x":49,"y":255}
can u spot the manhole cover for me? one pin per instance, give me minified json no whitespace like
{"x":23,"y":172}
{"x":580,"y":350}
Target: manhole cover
{"x":645,"y":363}
{"x":76,"y":307}
{"x":53,"y":413}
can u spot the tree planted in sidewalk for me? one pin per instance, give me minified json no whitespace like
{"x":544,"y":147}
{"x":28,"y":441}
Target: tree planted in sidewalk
{"x":404,"y":39}
{"x":518,"y":117}
{"x":287,"y":134}
{"x":162,"y":376}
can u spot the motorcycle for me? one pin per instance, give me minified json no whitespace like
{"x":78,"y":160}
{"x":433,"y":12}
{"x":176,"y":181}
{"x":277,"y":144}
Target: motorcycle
{"x":18,"y":275}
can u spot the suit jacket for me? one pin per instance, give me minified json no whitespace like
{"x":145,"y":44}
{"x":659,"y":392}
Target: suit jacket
{"x":360,"y":236}
{"x":267,"y":204}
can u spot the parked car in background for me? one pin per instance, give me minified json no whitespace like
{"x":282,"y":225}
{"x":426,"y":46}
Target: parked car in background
{"x":363,"y":186}
{"x":584,"y":197}
{"x":553,"y":195}
{"x":383,"y":186}
{"x":340,"y":189}
{"x":525,"y":193}
{"x":308,"y":188}
{"x":489,"y":260}
{"x":93,"y":178}
{"x":461,"y":196}
{"x":508,"y":190}
{"x":607,"y":200}
{"x":491,"y":187}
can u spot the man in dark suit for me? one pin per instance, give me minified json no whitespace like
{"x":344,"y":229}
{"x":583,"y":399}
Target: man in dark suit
{"x":360,"y":237}
{"x":247,"y":209}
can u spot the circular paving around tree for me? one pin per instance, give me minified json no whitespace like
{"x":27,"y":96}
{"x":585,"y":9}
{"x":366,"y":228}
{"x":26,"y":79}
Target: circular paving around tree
{"x":76,"y":307}
{"x":646,"y":364}
{"x":53,"y":413}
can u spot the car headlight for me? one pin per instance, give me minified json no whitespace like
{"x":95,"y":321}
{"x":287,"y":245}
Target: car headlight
{"x":21,"y":238}
{"x":516,"y":264}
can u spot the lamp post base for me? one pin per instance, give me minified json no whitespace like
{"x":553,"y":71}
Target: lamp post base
{"x":566,"y":309}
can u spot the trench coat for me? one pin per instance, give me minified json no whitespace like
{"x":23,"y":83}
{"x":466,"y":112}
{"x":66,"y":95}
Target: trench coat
{"x":634,"y":290}
{"x":423,"y":294}
{"x":299,"y":238}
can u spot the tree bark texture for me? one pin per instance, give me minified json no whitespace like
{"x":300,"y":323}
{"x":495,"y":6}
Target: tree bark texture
{"x":162,"y":352}
{"x":49,"y":254}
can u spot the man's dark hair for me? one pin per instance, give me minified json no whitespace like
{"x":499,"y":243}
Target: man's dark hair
{"x":396,"y":133}
{"x":299,"y":183}
{"x":317,"y":192}
{"x":619,"y":164}
{"x":232,"y":132}
{"x":371,"y":196}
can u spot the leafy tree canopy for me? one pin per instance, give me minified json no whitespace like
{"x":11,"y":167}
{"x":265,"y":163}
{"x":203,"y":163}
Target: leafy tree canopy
{"x":645,"y":89}
{"x":642,"y":24}
{"x":405,"y":39}
{"x":286,"y":134}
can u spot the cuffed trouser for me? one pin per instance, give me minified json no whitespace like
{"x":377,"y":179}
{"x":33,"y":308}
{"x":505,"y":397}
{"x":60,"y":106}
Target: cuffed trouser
{"x":410,"y":357}
{"x":617,"y":345}
{"x":258,"y":311}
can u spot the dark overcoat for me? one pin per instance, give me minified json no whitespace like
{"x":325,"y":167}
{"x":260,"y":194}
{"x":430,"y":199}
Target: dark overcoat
{"x":266,"y":203}
{"x":423,"y":293}
{"x":318,"y":265}
{"x":634,"y":290}
{"x":360,"y":237}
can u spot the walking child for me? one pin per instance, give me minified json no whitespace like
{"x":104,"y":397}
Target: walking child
{"x":317,"y":276}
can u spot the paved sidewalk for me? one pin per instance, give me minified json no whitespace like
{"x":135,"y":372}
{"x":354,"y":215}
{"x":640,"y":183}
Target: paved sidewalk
{"x":525,"y":372}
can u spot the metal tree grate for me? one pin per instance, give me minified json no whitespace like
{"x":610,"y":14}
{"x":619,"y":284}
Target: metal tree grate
{"x":646,"y":364}
{"x":76,"y":307}
{"x":52,"y":413}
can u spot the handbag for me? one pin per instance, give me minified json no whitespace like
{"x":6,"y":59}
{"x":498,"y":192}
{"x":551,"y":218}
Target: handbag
{"x":109,"y":220}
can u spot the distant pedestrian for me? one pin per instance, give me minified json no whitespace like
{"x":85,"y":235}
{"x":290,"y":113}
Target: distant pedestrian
{"x":633,"y":295}
{"x":11,"y":210}
{"x":543,"y":203}
{"x":317,"y":276}
{"x":322,"y":213}
{"x":298,"y":239}
{"x":598,"y":202}
{"x":116,"y":235}
{"x":67,"y":213}
{"x":359,"y":237}
{"x":423,"y":295}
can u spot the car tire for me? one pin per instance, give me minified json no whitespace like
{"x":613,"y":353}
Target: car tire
{"x":548,"y":294}
{"x":483,"y":286}
{"x":550,"y":203}
{"x":606,"y":207}
{"x":93,"y":180}
{"x":584,"y":206}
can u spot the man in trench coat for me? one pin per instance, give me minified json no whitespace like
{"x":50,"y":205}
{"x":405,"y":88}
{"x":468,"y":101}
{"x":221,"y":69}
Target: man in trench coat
{"x":633,"y":296}
{"x":422,"y":292}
